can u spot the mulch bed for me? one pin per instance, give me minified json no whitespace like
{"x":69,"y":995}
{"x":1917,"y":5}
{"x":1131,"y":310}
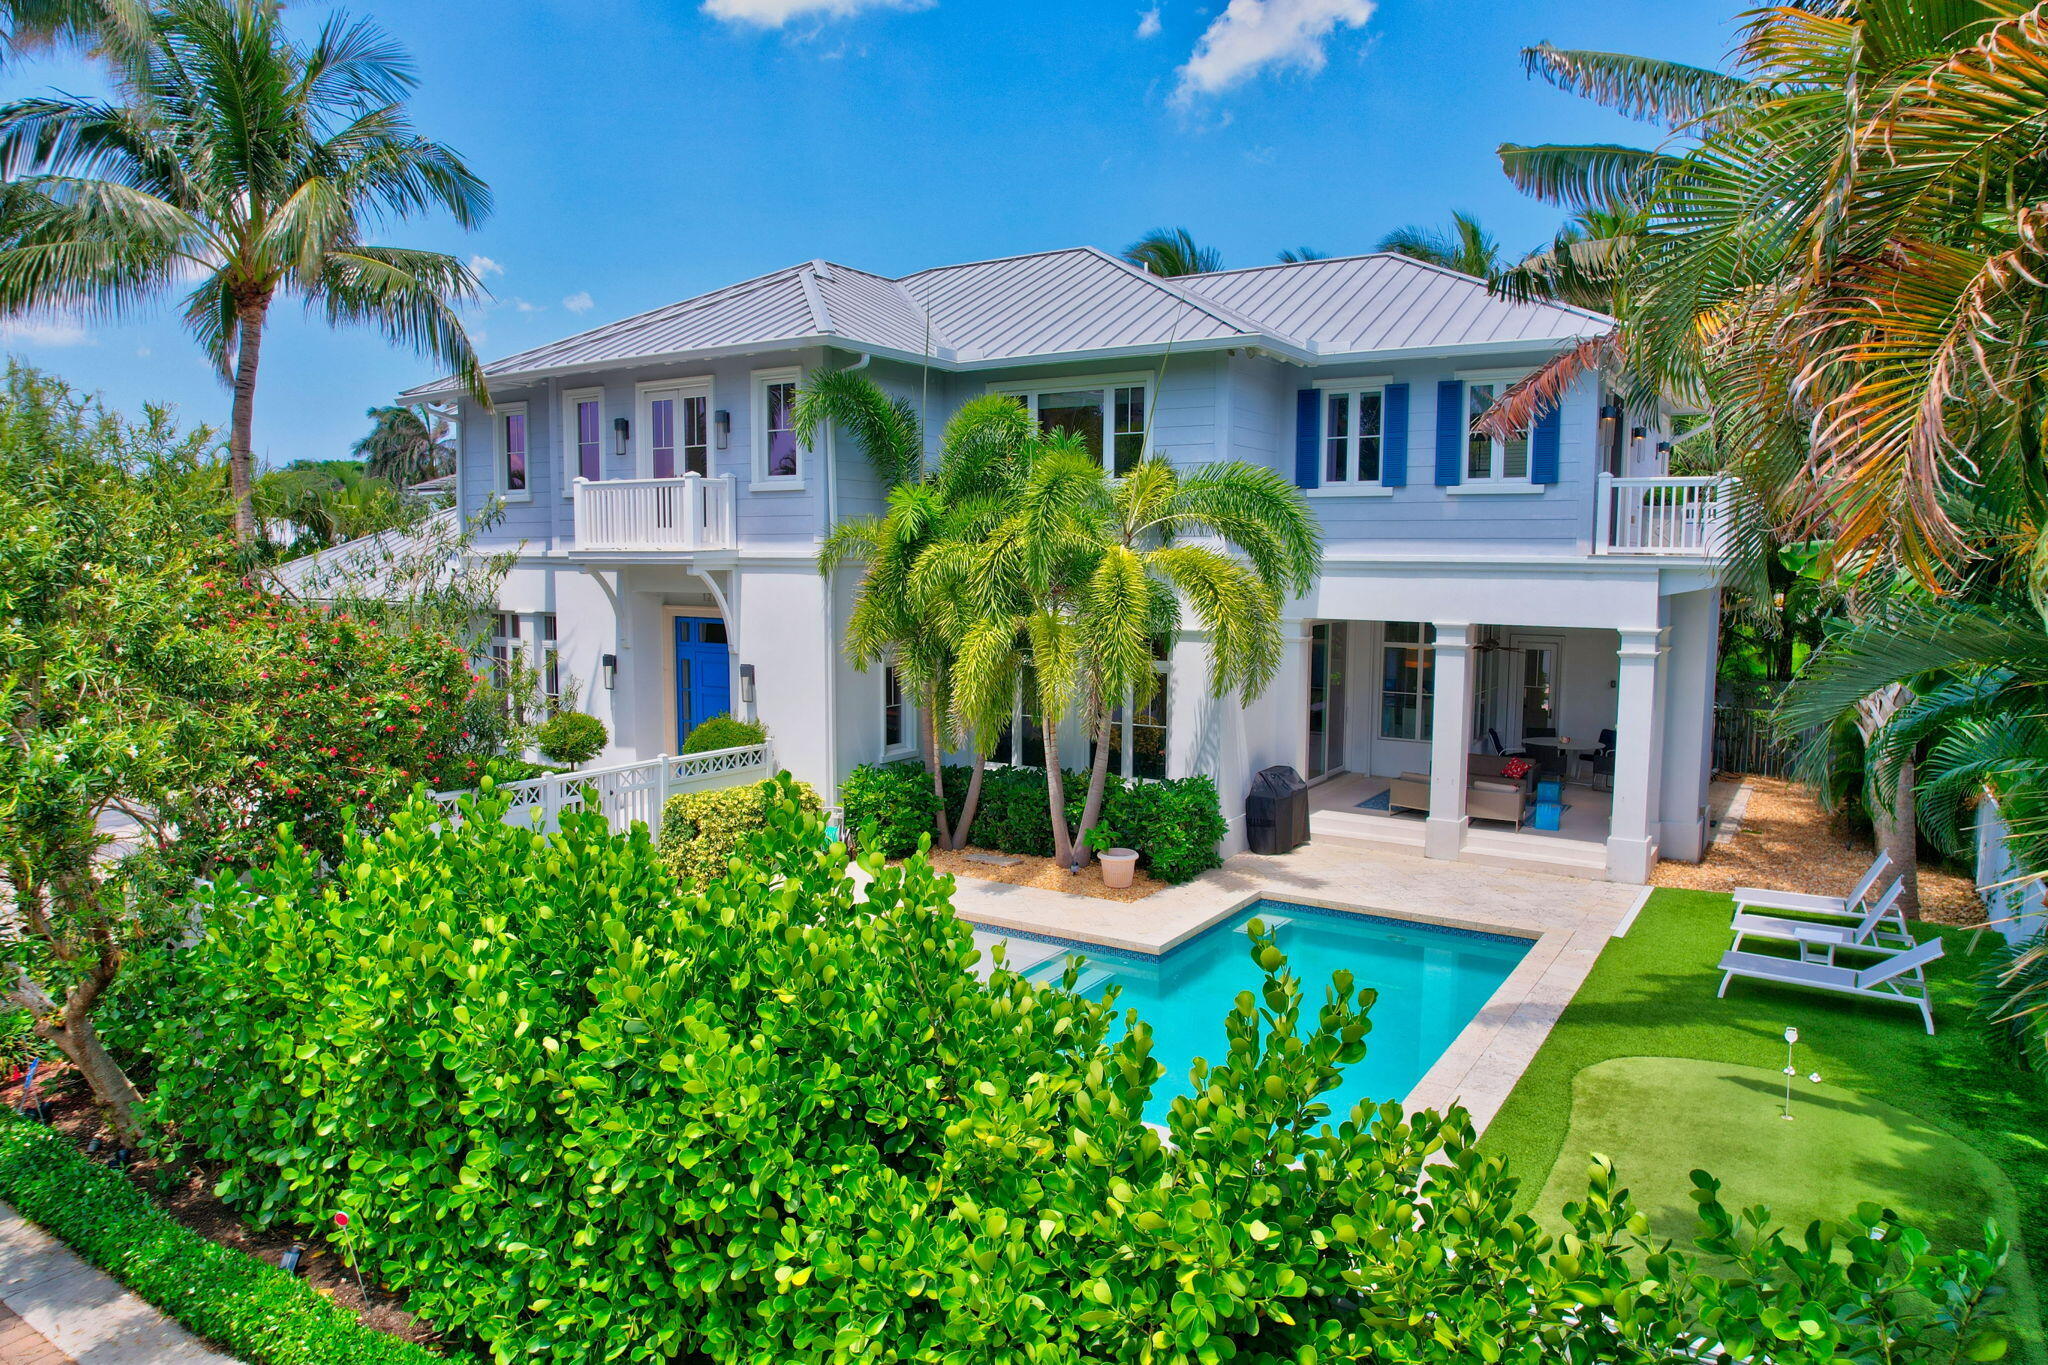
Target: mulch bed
{"x":185,"y":1191}
{"x":1044,"y":874}
{"x":1788,"y":842}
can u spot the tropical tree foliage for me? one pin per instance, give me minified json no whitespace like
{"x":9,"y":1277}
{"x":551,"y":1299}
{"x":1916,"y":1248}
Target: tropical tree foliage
{"x":255,"y":162}
{"x":407,"y":444}
{"x":1464,"y":246}
{"x":309,"y":505}
{"x":1173,"y":251}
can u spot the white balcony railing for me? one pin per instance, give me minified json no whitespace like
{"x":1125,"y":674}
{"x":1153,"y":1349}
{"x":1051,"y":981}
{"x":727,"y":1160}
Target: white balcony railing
{"x":689,"y":513}
{"x":1663,"y":516}
{"x":628,"y":791}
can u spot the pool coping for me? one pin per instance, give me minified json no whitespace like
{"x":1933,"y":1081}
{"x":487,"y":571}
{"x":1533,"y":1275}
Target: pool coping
{"x":1485,"y":1060}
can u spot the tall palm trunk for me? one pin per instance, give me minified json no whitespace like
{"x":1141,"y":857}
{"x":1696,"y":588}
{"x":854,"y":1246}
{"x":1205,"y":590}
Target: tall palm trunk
{"x":249,"y":319}
{"x":1898,"y":837}
{"x":928,"y":741}
{"x":1098,"y":779}
{"x":972,"y":802}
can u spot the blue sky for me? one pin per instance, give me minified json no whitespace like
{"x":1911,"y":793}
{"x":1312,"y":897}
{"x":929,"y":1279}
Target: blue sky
{"x":645,"y":150}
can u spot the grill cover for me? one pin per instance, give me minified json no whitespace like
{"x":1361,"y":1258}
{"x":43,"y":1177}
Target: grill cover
{"x":1276,"y":811}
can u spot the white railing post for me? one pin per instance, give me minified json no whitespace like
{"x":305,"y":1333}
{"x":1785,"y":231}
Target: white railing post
{"x":661,"y":780}
{"x":1603,"y":513}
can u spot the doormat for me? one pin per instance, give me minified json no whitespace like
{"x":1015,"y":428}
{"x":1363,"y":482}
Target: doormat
{"x":1379,"y":802}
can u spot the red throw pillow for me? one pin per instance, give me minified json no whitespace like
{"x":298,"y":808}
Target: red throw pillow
{"x":1515,"y":767}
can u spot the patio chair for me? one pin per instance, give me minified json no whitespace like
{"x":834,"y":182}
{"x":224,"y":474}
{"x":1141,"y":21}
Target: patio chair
{"x":1899,"y":976}
{"x":1839,"y":907}
{"x":1882,"y":927}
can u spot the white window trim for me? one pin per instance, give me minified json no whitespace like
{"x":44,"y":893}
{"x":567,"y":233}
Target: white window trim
{"x":570,"y":470}
{"x":690,"y":386}
{"x":1354,"y":389}
{"x":757,"y":411}
{"x":499,"y":454}
{"x":908,"y":746}
{"x":1107,"y":384}
{"x":1494,"y":482}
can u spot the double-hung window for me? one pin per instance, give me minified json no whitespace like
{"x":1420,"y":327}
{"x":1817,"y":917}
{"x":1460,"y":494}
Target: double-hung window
{"x":1407,"y":680}
{"x":550,"y":663}
{"x":1488,"y":458}
{"x":582,"y":437}
{"x":1137,"y":734}
{"x":895,"y":712}
{"x":505,"y":659}
{"x":778,"y":457}
{"x":1352,"y":428}
{"x":511,"y":461}
{"x":1110,"y":415}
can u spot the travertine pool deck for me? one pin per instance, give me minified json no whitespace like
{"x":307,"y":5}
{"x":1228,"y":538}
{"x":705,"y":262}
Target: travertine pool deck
{"x":1568,"y":919}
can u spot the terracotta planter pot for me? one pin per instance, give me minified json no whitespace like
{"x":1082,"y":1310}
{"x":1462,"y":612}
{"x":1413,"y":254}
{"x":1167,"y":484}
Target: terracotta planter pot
{"x":1117,"y":866}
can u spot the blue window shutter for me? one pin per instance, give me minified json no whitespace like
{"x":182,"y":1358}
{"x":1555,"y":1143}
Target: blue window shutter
{"x":1543,"y":441}
{"x":1450,"y":431}
{"x":1394,"y":436}
{"x":1308,"y":438}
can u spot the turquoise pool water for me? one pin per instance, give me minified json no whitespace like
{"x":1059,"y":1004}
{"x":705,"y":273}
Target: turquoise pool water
{"x":1431,"y":983}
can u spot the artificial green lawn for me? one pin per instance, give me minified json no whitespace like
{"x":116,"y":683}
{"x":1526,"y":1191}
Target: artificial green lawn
{"x":1943,"y":1123}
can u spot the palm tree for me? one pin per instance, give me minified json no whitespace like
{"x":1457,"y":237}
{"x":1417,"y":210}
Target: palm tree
{"x":407,"y":445}
{"x":118,"y":29}
{"x":1092,"y":572}
{"x":1465,"y":246}
{"x":254,"y":162}
{"x":1173,"y":251}
{"x":900,"y":615}
{"x":1295,"y":255}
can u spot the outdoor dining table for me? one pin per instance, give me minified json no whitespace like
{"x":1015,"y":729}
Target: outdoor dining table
{"x":1571,"y":753}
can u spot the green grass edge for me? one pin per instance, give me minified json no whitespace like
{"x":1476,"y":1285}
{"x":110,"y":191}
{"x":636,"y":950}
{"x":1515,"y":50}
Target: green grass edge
{"x":250,"y":1308}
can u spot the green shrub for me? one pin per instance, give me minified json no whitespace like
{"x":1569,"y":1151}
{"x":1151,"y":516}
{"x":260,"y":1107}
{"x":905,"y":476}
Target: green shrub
{"x":1174,"y":825}
{"x":896,"y":799}
{"x":570,"y":737}
{"x":252,"y":1308}
{"x":588,"y":1114}
{"x":723,"y":731}
{"x":701,"y":831}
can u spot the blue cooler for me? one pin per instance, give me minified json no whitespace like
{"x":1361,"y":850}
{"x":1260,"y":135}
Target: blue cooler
{"x":1549,"y":814}
{"x":1551,"y":790}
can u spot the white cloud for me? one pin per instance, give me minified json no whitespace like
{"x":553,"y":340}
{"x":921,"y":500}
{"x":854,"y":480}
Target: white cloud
{"x":1252,"y":36}
{"x":143,"y":353}
{"x":483,"y":267}
{"x":579,"y":302}
{"x":48,"y":329}
{"x":527,"y":306}
{"x":777,"y":13}
{"x":1148,"y":23}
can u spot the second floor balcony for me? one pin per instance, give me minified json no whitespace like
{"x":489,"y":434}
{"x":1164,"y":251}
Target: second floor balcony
{"x":660,"y":515}
{"x":1664,"y":515}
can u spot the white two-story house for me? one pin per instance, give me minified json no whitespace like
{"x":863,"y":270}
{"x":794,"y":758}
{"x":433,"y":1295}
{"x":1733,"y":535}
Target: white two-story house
{"x":1476,"y":595}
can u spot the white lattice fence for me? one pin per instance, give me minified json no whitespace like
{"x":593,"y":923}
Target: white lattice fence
{"x":629,"y":791}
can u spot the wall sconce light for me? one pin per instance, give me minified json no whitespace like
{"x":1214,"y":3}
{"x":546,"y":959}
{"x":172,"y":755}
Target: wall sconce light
{"x":747,"y":684}
{"x":722,"y":420}
{"x":624,"y":429}
{"x":1636,"y":433}
{"x":1663,"y":447}
{"x":610,"y":663}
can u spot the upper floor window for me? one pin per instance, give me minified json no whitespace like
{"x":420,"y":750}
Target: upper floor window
{"x":778,"y":458}
{"x":1489,"y":459}
{"x":676,"y":418}
{"x":1351,"y":435}
{"x":1110,"y":415}
{"x":511,"y":462}
{"x":582,"y":437}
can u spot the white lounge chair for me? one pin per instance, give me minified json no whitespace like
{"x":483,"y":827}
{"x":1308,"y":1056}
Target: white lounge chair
{"x":1882,"y":926}
{"x":1900,"y":976}
{"x":1841,"y":907}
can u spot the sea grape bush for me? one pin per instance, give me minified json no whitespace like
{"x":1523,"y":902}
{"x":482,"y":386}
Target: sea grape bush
{"x":583,"y":1111}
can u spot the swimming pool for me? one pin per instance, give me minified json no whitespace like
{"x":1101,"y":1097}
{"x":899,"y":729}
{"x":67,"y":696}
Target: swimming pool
{"x":1431,"y":982}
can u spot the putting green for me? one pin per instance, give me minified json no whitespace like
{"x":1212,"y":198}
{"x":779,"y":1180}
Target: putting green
{"x":1660,"y":1118}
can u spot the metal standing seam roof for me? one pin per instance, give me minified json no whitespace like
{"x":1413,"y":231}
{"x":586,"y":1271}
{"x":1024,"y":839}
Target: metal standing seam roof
{"x":1071,"y":302}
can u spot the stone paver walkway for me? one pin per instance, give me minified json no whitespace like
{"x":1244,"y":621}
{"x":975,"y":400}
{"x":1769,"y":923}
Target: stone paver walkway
{"x":71,"y":1311}
{"x":1569,"y":920}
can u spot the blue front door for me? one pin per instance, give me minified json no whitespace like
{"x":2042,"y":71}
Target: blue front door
{"x":703,"y":673}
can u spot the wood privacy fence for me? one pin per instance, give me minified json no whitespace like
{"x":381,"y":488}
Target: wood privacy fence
{"x":1744,"y":742}
{"x":629,"y":791}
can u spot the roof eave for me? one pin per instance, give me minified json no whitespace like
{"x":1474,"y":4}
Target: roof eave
{"x":1462,"y":348}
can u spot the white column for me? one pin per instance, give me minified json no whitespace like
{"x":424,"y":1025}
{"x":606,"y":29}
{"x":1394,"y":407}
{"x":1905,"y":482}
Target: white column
{"x":1631,"y":841}
{"x":1450,"y":741}
{"x":1689,"y":724}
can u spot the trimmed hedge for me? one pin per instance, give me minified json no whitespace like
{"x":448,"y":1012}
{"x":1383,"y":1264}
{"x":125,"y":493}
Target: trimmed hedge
{"x":1174,"y":825}
{"x":571,"y":737}
{"x":701,"y":831}
{"x":252,"y":1308}
{"x":723,"y":731}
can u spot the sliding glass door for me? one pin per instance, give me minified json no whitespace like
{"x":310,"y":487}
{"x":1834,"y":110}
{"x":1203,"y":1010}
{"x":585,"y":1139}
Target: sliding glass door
{"x":1326,"y":666}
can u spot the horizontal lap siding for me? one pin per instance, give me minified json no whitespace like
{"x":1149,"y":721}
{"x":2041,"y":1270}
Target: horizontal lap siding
{"x":476,"y":474}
